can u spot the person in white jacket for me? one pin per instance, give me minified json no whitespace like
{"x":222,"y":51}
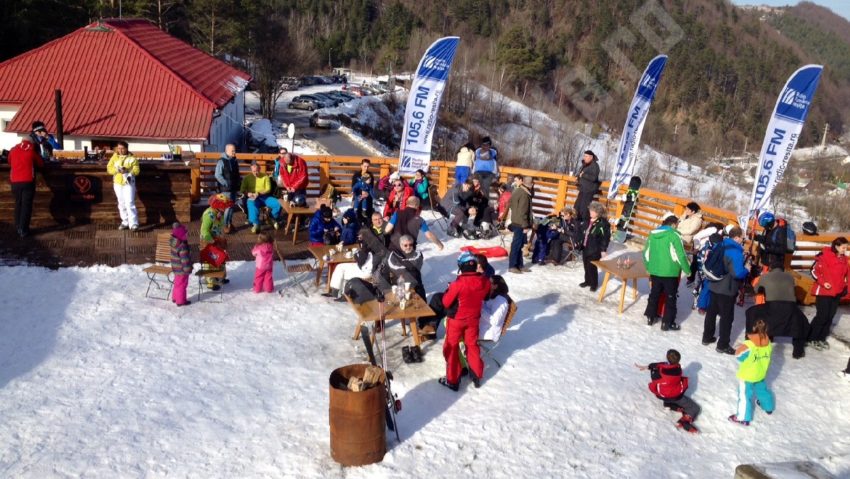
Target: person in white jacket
{"x":494,"y":311}
{"x":465,"y":161}
{"x":690,"y":223}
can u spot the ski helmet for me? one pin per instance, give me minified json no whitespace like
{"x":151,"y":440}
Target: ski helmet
{"x":766,"y":219}
{"x":467,"y":262}
{"x":810,"y":228}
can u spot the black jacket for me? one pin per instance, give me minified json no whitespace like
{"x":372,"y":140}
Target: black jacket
{"x":597,"y":240}
{"x":588,"y":178}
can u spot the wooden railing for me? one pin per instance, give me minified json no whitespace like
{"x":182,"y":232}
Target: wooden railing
{"x":552,"y":191}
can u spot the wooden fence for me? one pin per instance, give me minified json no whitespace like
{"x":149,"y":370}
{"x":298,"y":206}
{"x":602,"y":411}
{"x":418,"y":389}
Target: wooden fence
{"x":552,"y":191}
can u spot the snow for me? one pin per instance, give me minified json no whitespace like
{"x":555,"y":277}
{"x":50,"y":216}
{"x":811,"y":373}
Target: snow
{"x":98,"y":381}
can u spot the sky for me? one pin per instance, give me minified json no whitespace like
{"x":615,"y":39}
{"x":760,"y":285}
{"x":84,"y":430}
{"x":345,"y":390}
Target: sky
{"x":841,"y":7}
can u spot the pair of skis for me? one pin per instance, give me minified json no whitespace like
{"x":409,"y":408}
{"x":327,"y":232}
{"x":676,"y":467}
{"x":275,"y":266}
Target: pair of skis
{"x":393,"y":403}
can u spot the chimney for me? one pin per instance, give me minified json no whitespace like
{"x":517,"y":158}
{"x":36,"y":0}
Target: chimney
{"x":60,"y":133}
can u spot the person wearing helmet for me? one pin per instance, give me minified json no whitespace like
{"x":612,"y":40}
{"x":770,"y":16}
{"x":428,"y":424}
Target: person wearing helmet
{"x":212,"y":233}
{"x":469,"y":291}
{"x":773,"y":241}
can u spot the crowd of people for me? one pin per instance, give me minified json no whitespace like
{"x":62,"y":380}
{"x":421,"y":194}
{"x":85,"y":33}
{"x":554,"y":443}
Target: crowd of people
{"x":385,"y":225}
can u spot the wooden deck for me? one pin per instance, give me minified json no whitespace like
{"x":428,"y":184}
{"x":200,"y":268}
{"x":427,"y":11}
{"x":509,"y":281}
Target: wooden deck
{"x":103,"y":243}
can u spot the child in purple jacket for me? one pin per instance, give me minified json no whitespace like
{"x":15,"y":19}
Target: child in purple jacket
{"x":181,"y":263}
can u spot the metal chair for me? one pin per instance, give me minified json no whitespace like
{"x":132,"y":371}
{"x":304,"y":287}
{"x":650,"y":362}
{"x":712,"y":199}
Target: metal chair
{"x":296,"y":274}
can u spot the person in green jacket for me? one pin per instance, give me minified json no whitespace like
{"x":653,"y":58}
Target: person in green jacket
{"x":754,"y":358}
{"x":212,"y":233}
{"x":665,"y":259}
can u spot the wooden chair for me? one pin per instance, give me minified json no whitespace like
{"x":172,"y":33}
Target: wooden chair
{"x":161,"y":267}
{"x":295,"y":273}
{"x":211,"y":274}
{"x":487,"y":347}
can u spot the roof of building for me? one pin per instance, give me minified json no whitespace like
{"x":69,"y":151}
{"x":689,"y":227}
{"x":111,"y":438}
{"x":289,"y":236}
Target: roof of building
{"x":120,"y":78}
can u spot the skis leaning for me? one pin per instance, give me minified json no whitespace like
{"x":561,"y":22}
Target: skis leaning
{"x":392,"y":403}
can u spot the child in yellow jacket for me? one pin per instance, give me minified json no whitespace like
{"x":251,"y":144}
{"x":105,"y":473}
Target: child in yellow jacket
{"x":754,"y":358}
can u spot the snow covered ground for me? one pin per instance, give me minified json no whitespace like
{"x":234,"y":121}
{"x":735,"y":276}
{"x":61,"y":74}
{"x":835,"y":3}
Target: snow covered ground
{"x":96,"y":381}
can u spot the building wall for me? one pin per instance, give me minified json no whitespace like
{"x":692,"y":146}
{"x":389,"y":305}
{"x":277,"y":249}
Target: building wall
{"x":7,"y":140}
{"x":228,"y":126}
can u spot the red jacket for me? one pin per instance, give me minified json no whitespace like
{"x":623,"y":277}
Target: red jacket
{"x":390,"y":207}
{"x":504,"y":203}
{"x":470,"y":290}
{"x":297,"y":178}
{"x":667,"y":381}
{"x":829,"y":268}
{"x":22,"y":159}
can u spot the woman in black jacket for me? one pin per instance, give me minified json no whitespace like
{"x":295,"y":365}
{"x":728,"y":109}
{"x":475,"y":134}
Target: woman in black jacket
{"x":594,"y":243}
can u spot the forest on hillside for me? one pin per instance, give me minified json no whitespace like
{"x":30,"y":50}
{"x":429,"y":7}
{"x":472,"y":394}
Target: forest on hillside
{"x":726,"y":64}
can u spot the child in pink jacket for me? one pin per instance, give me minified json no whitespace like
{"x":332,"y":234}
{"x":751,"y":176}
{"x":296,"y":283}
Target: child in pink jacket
{"x":263,"y":251}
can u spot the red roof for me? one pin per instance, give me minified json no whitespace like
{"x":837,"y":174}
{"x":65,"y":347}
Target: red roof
{"x":119,"y":79}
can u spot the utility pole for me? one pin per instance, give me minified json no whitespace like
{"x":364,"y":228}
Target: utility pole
{"x":825,"y":131}
{"x":330,"y":65}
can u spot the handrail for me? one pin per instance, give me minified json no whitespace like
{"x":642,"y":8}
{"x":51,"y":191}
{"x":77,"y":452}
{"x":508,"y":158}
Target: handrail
{"x":555,"y":190}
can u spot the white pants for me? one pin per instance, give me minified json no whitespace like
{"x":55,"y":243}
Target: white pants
{"x":126,"y":195}
{"x":345,"y":271}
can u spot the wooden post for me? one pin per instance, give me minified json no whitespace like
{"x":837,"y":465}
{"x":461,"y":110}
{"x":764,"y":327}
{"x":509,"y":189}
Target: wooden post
{"x":561,"y":199}
{"x":195,"y":193}
{"x":443,"y":180}
{"x":324,"y":173}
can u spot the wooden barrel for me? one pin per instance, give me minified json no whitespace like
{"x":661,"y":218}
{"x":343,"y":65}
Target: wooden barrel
{"x":358,"y":424}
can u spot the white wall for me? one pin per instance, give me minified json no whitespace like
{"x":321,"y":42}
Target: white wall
{"x":228,"y":126}
{"x":10,"y":139}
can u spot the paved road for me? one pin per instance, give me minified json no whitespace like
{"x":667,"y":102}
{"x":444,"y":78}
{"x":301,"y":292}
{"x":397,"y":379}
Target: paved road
{"x":332,"y":140}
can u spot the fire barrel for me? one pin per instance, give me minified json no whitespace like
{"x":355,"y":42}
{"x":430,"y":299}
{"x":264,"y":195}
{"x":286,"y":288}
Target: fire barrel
{"x":357,"y":419}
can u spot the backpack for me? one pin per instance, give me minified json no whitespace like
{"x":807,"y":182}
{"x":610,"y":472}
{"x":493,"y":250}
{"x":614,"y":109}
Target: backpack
{"x":790,"y":236}
{"x":714,"y":266}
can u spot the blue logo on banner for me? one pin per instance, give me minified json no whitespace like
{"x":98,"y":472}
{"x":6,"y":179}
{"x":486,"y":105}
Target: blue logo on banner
{"x":651,"y":77}
{"x":438,"y":59}
{"x":795,"y":100}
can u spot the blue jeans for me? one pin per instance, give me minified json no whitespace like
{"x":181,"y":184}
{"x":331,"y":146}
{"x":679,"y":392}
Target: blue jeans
{"x":263,"y":200}
{"x":228,"y":213}
{"x":518,"y":241}
{"x":461,"y":174}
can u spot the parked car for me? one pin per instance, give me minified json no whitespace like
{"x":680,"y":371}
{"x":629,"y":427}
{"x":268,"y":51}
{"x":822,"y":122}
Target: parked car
{"x":338,"y":96}
{"x":357,"y":90}
{"x":327,"y":99}
{"x":320,"y":121}
{"x":309,"y":81}
{"x":305,"y":102}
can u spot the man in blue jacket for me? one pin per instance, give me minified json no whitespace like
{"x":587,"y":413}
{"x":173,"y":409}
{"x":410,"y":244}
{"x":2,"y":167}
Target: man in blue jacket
{"x":724,"y":292}
{"x":229,"y":181}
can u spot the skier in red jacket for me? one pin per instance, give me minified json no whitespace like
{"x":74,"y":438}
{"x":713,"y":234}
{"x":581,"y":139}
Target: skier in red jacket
{"x":831,"y":277}
{"x":670,"y":386}
{"x":23,"y":160}
{"x":293,"y":179}
{"x":469,"y":290}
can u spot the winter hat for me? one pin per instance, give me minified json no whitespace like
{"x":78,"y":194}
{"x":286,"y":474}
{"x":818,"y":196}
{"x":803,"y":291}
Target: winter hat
{"x":394,"y":176}
{"x":728,"y":228}
{"x":220,"y":202}
{"x":38,"y":126}
{"x":178,"y":230}
{"x":667,"y":215}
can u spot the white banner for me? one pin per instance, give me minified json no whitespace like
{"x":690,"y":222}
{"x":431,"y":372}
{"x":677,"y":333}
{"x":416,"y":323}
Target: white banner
{"x":630,"y":140}
{"x":783,"y":131}
{"x":423,"y":101}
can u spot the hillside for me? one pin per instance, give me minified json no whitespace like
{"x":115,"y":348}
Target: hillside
{"x":726,"y":65}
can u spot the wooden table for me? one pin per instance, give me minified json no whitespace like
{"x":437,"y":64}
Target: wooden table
{"x":297,"y":212}
{"x":635,"y":272}
{"x":336,"y":258}
{"x":416,"y":308}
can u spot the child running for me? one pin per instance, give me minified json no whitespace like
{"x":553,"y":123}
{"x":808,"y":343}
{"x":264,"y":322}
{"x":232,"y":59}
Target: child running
{"x":670,"y":386}
{"x":263,"y":251}
{"x":754,"y":356}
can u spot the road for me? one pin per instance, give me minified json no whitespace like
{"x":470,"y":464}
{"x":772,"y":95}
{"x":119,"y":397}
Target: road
{"x":331,"y":140}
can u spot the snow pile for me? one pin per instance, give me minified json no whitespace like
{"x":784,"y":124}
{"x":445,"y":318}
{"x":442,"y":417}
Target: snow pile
{"x":271,"y":137}
{"x":97,"y":381}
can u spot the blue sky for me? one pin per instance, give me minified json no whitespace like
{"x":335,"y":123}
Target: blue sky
{"x":841,"y":7}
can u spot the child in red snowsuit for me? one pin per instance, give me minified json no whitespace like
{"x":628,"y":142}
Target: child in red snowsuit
{"x":469,"y":290}
{"x":263,"y":252}
{"x":670,"y":386}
